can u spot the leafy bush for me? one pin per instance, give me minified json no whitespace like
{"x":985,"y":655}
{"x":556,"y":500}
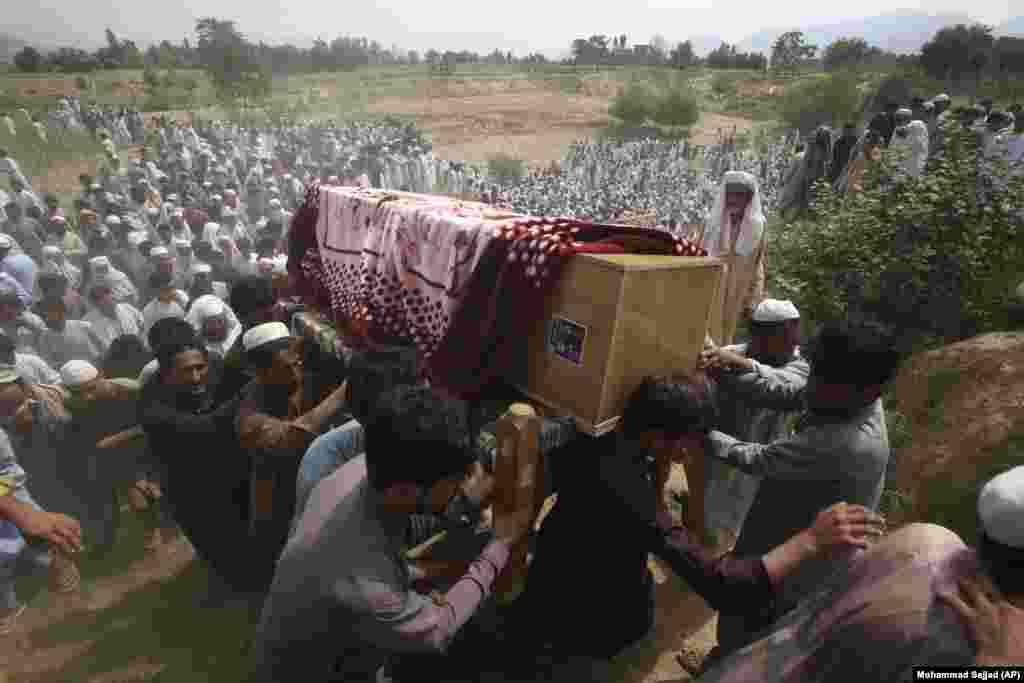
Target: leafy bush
{"x":83,"y":83}
{"x":634,"y":105}
{"x":505,"y":168}
{"x":29,"y":59}
{"x":937,"y":256}
{"x":829,"y":101}
{"x":723,"y":84}
{"x":896,"y":89}
{"x":678,"y":108}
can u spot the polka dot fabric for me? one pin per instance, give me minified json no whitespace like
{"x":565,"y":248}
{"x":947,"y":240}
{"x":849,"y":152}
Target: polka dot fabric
{"x":398,"y":266}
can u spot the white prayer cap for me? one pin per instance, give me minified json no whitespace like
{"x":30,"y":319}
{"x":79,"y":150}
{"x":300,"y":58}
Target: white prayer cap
{"x":75,"y":373}
{"x":266,"y":334}
{"x":211,"y":226}
{"x":229,"y":193}
{"x":287,"y":176}
{"x":228,"y":212}
{"x":1001,"y":508}
{"x":775,"y":311}
{"x":274,"y":190}
{"x":941,"y":98}
{"x":153,"y":211}
{"x":51,"y":250}
{"x":138,"y":237}
{"x":6,"y":242}
{"x":99,"y":262}
{"x":182,"y":244}
{"x":207,"y":184}
{"x":58,"y":219}
{"x":208,"y":306}
{"x":216,"y":198}
{"x":274,"y":203}
{"x":152,"y":367}
{"x":201,"y":269}
{"x":159,"y":251}
{"x":112,"y":220}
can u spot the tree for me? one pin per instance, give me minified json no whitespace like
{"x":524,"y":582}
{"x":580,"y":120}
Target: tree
{"x":227,"y":59}
{"x":29,"y":59}
{"x":790,"y":51}
{"x":957,"y":52}
{"x":849,"y":52}
{"x":659,"y":47}
{"x":683,"y":56}
{"x":413,"y":57}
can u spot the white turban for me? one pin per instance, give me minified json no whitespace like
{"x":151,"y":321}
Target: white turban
{"x":752,"y":228}
{"x":77,"y":372}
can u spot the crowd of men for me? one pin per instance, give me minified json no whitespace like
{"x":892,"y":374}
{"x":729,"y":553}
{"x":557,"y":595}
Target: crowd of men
{"x":145,"y":349}
{"x":917,"y":130}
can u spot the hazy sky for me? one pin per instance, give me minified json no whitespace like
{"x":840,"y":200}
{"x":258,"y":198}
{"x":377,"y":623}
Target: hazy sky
{"x":479,"y":25}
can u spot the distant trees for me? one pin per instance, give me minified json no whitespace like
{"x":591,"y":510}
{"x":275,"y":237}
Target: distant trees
{"x":958,"y":52}
{"x":850,"y":52}
{"x":683,"y":56}
{"x":229,"y":63}
{"x":726,"y":56}
{"x":29,"y":59}
{"x":790,"y":52}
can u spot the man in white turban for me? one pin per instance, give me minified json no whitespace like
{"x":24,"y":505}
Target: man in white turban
{"x":215,"y":323}
{"x":735,"y":233}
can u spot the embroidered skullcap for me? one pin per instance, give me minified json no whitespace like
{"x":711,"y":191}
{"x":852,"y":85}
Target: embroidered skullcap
{"x":775,"y":311}
{"x":1001,"y":508}
{"x":262,"y":336}
{"x":75,"y":373}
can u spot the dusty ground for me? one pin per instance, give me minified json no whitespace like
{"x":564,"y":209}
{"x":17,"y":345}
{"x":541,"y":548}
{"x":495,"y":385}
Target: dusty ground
{"x":531,"y":123}
{"x":44,"y":86}
{"x":760,"y":88}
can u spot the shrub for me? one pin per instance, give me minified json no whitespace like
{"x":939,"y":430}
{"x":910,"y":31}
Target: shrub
{"x":505,"y":168}
{"x":83,"y":83}
{"x":723,"y":84}
{"x":678,"y":109}
{"x":29,"y":59}
{"x":634,"y":105}
{"x":937,"y":256}
{"x":829,"y":101}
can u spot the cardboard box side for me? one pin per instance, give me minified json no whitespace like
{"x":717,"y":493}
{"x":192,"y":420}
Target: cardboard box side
{"x":661,"y":329}
{"x":585,"y":297}
{"x":634,"y":262}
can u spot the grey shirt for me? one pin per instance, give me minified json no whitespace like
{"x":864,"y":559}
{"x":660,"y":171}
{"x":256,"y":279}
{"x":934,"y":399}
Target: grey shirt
{"x":827,"y":461}
{"x":342,"y":588}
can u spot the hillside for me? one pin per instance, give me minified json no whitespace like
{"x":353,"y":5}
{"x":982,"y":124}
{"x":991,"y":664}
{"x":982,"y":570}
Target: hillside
{"x":897,"y":31}
{"x":10,"y":46}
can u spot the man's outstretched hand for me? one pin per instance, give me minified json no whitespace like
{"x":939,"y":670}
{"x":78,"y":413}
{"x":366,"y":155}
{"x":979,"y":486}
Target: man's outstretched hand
{"x":846,"y":525}
{"x":996,"y":626}
{"x":60,"y":530}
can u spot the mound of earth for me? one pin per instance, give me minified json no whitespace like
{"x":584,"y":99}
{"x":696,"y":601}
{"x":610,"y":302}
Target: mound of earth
{"x":45,"y":87}
{"x":760,"y":88}
{"x":128,"y":88}
{"x":964,"y":405}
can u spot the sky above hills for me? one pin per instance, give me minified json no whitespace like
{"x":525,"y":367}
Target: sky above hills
{"x":477,"y":25}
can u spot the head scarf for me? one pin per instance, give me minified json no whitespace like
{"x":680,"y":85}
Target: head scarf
{"x":207,"y":306}
{"x":121,"y":287}
{"x":716,"y":232}
{"x":22,"y":268}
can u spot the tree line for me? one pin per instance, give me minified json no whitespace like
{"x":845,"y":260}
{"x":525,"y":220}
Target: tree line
{"x":215,"y":36}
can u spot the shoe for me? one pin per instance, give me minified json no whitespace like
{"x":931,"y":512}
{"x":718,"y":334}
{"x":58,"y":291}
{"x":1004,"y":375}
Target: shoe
{"x":10,"y":620}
